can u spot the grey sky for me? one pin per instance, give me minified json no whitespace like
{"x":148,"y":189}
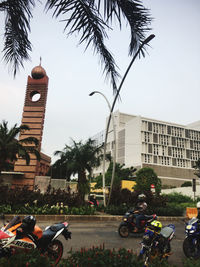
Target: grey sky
{"x":164,"y":85}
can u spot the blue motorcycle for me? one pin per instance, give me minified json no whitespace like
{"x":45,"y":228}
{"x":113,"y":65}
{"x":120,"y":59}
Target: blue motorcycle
{"x":191,"y":244}
{"x":156,"y":243}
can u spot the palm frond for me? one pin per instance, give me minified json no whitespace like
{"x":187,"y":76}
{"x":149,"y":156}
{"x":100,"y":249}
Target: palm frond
{"x":17,"y":26}
{"x":29,"y":140}
{"x":134,"y":13}
{"x":85,"y":19}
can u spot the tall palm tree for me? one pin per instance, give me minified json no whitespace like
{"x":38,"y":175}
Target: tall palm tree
{"x":11,"y":148}
{"x":79,"y":158}
{"x":91,"y":19}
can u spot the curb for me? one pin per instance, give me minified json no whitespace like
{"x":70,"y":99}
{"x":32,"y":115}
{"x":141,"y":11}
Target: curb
{"x":82,"y":218}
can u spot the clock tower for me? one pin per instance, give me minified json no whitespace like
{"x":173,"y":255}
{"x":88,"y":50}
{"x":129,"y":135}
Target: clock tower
{"x":33,"y":116}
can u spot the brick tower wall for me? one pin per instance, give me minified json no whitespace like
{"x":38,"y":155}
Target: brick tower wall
{"x":33,"y":116}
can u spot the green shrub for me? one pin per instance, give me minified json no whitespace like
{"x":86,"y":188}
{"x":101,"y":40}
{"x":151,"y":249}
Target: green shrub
{"x":188,"y":204}
{"x":169,"y":210}
{"x":116,"y":210}
{"x":157,"y":262}
{"x":177,"y":197}
{"x":19,"y":196}
{"x":186,"y":184}
{"x":145,"y":177}
{"x":191,"y":263}
{"x":30,"y":258}
{"x":99,"y":256}
{"x":46,"y":209}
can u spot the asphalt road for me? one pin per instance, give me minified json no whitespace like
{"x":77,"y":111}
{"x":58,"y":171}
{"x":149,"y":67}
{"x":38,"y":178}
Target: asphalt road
{"x":88,"y":234}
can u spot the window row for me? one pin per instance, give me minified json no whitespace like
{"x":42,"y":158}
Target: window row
{"x":195,"y":155}
{"x":166,"y":140}
{"x":170,"y":130}
{"x":170,"y":151}
{"x":167,"y":161}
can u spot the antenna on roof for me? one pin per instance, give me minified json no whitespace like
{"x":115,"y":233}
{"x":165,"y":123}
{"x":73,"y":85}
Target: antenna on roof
{"x":40,"y":60}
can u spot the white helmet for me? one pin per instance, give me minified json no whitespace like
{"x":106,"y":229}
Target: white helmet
{"x":141,"y":196}
{"x":198,"y":205}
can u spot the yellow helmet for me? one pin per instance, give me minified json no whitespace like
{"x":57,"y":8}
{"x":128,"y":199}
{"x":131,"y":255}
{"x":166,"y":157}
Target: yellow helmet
{"x":156,"y":225}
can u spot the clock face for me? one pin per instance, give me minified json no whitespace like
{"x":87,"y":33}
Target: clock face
{"x":35,"y":96}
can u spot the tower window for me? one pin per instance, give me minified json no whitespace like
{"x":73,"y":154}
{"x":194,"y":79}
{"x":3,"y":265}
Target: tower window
{"x":35,"y":96}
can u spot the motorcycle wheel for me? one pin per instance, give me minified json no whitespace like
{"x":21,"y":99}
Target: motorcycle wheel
{"x":123,"y":230}
{"x":55,"y":251}
{"x":190,"y":250}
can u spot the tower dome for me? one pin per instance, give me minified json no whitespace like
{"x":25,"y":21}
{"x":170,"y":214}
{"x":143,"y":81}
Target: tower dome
{"x":38,"y":72}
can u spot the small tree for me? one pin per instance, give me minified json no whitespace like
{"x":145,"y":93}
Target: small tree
{"x":121,"y":173}
{"x":145,"y":177}
{"x":11,"y":148}
{"x":77,"y":159}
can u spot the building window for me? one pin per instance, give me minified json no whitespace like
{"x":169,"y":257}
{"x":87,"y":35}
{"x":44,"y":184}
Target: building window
{"x":147,"y":158}
{"x":169,"y":130}
{"x":155,"y":138}
{"x":174,"y":162}
{"x":147,"y":137}
{"x":155,"y":149}
{"x":150,"y":126}
{"x":155,"y":127}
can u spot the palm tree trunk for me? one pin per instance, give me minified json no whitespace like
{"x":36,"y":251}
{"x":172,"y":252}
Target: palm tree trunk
{"x":82,"y":185}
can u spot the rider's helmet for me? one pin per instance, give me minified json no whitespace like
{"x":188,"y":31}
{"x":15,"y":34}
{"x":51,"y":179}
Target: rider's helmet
{"x":144,"y":206}
{"x":198,"y":205}
{"x":28,"y":223}
{"x":156,"y":225}
{"x":141,"y":196}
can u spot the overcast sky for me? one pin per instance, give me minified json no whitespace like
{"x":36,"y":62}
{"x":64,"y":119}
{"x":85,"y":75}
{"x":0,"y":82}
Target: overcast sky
{"x":165,"y":85}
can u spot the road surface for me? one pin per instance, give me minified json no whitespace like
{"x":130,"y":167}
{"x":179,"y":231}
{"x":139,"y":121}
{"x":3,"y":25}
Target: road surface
{"x":88,"y":234}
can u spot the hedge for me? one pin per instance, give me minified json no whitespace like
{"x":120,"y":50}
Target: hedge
{"x":95,"y":256}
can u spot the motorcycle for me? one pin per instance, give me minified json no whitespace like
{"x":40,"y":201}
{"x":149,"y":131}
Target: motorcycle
{"x":92,"y":202}
{"x":13,"y":239}
{"x":191,"y":243}
{"x":128,"y":224}
{"x":156,"y":243}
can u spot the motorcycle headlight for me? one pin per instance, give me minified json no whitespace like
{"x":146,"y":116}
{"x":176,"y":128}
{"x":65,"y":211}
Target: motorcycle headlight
{"x":191,"y":231}
{"x":125,"y":219}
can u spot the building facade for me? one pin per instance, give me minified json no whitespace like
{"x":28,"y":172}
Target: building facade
{"x":170,"y":149}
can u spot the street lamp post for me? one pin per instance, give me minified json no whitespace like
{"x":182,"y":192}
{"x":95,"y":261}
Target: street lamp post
{"x":145,"y":42}
{"x":105,"y":143}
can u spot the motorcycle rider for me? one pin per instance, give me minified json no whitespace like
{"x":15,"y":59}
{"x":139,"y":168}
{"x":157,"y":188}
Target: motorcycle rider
{"x":139,"y":211}
{"x":93,"y":201}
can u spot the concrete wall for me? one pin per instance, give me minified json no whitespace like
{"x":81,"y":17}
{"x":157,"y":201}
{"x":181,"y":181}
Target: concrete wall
{"x":6,"y":178}
{"x":133,"y":145}
{"x":42,"y":182}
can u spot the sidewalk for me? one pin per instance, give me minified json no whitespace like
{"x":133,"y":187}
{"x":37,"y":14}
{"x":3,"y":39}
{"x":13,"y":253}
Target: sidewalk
{"x":79,"y":218}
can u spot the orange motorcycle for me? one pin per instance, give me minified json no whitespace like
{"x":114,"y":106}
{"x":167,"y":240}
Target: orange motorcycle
{"x":25,"y":234}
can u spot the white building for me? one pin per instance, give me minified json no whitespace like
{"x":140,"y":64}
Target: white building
{"x":170,"y":149}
